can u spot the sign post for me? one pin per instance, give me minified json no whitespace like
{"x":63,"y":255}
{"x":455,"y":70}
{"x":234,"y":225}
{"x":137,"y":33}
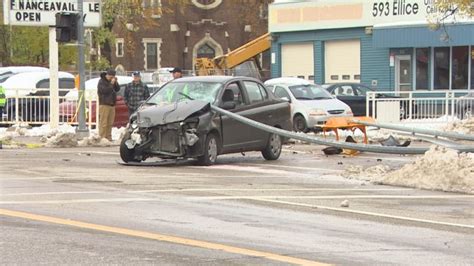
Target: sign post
{"x":53,"y":79}
{"x":82,"y":130}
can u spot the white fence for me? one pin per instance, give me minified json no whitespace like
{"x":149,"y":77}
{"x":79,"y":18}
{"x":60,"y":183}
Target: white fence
{"x":385,"y":106}
{"x":34,"y":108}
{"x":432,"y":106}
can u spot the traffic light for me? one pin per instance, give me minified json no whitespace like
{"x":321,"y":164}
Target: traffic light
{"x":66,"y":27}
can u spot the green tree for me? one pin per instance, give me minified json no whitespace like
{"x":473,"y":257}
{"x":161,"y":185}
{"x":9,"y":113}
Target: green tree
{"x":130,"y":16}
{"x":455,"y":7}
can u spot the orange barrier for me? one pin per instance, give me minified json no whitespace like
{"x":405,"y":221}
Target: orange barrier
{"x":336,"y":123}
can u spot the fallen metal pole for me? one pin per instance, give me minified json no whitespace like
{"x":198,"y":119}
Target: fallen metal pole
{"x":431,"y":132}
{"x":316,"y":140}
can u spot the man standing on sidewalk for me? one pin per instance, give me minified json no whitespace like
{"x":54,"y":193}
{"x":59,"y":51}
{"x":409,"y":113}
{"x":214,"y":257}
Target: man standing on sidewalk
{"x":107,"y":90}
{"x":135,"y":93}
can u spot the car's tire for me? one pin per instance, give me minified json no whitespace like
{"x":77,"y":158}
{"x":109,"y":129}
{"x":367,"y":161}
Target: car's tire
{"x":126,"y":154}
{"x":211,"y":150}
{"x":299,"y":124}
{"x":273,"y":149}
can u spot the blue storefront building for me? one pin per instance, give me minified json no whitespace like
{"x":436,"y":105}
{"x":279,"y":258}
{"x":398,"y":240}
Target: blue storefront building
{"x":389,"y":45}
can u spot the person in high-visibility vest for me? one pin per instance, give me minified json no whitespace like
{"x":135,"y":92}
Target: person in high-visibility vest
{"x":177,"y":73}
{"x":3,"y":101}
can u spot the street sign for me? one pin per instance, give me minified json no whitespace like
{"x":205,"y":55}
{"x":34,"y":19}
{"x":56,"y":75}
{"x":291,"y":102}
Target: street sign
{"x":43,"y":12}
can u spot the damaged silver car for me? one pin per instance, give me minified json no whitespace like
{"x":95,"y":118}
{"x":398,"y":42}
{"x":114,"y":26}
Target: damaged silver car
{"x":177,"y":121}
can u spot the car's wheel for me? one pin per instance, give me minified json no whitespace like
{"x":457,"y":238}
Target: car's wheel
{"x":299,"y":124}
{"x":211,"y":150}
{"x":126,"y":154}
{"x":273,"y":149}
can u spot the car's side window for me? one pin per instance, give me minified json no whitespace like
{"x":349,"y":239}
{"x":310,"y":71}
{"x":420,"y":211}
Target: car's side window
{"x":344,"y":90}
{"x":236,"y":92}
{"x":361,"y":91}
{"x":263,"y":91}
{"x":280,"y":92}
{"x":255,"y":92}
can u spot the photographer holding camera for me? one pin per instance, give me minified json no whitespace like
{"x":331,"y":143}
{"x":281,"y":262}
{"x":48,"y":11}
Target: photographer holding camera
{"x":107,"y":90}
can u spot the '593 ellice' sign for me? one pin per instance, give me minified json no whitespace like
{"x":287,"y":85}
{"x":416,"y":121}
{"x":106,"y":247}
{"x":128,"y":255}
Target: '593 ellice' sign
{"x":42,"y":12}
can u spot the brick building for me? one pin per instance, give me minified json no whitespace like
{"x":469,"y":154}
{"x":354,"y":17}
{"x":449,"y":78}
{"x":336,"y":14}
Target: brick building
{"x":202,"y":28}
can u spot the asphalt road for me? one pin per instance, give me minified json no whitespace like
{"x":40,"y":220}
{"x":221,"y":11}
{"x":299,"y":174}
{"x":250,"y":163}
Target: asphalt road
{"x":79,"y":206}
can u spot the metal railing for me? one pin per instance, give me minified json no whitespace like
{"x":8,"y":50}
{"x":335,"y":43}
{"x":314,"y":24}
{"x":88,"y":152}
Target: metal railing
{"x":422,"y":106}
{"x":34,"y":108}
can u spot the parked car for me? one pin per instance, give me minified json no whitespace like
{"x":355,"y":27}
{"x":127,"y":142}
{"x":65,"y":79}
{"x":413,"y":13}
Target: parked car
{"x":68,"y":108}
{"x":177,"y":121}
{"x":465,"y":106}
{"x":355,"y":95}
{"x":33,"y":89}
{"x":7,"y":72}
{"x":311,"y":105}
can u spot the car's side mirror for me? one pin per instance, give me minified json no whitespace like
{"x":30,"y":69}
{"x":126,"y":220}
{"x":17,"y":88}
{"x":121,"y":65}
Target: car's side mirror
{"x":286,"y":99}
{"x":228,"y":105}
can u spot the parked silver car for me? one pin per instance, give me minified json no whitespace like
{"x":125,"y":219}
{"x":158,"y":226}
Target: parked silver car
{"x":311,"y":105}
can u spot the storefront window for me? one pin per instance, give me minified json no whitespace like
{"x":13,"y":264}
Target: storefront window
{"x":441,"y":68}
{"x":460,"y":64}
{"x":422,"y":59}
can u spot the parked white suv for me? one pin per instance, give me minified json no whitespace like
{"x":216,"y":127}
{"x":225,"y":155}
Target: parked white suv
{"x":311,"y":105}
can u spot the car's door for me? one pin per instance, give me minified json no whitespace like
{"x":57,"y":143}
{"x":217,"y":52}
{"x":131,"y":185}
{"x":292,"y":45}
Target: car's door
{"x":260,"y":110}
{"x":233,"y":131}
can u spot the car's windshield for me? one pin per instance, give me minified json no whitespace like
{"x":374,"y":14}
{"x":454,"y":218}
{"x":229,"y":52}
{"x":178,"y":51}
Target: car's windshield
{"x":309,"y":92}
{"x":179,"y":91}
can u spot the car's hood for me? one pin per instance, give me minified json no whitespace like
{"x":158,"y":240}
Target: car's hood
{"x":329,"y":104}
{"x":153,"y":115}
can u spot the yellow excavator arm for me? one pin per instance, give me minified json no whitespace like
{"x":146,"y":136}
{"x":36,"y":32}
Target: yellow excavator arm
{"x":219,"y":65}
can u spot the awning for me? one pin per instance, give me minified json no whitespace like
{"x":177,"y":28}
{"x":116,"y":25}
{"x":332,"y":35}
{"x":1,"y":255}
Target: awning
{"x":398,"y":36}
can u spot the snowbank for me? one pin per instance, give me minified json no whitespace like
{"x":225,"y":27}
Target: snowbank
{"x":438,"y":169}
{"x":62,"y":140}
{"x":463,"y":126}
{"x":64,"y":136}
{"x":67,"y":139}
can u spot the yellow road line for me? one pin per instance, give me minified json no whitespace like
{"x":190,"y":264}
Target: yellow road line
{"x":160,"y":237}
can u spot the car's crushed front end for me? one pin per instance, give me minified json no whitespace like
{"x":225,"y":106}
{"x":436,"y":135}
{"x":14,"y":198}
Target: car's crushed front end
{"x":170,"y":132}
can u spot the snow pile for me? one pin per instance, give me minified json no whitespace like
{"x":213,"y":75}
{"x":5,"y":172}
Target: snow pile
{"x":94,"y":140}
{"x":373,"y":173}
{"x":463,"y":126}
{"x":62,"y":140}
{"x":14,"y":131}
{"x":42,"y":131}
{"x":439,"y":169}
{"x":46,"y":130}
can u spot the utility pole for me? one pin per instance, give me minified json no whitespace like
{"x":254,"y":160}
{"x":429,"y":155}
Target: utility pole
{"x":82,"y":130}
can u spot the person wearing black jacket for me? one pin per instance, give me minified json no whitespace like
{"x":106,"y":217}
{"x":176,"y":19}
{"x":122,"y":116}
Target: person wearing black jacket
{"x":107,"y":89}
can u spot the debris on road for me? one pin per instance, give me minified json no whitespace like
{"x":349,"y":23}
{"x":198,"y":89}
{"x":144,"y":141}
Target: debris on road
{"x":345,"y":204}
{"x":392,"y":141}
